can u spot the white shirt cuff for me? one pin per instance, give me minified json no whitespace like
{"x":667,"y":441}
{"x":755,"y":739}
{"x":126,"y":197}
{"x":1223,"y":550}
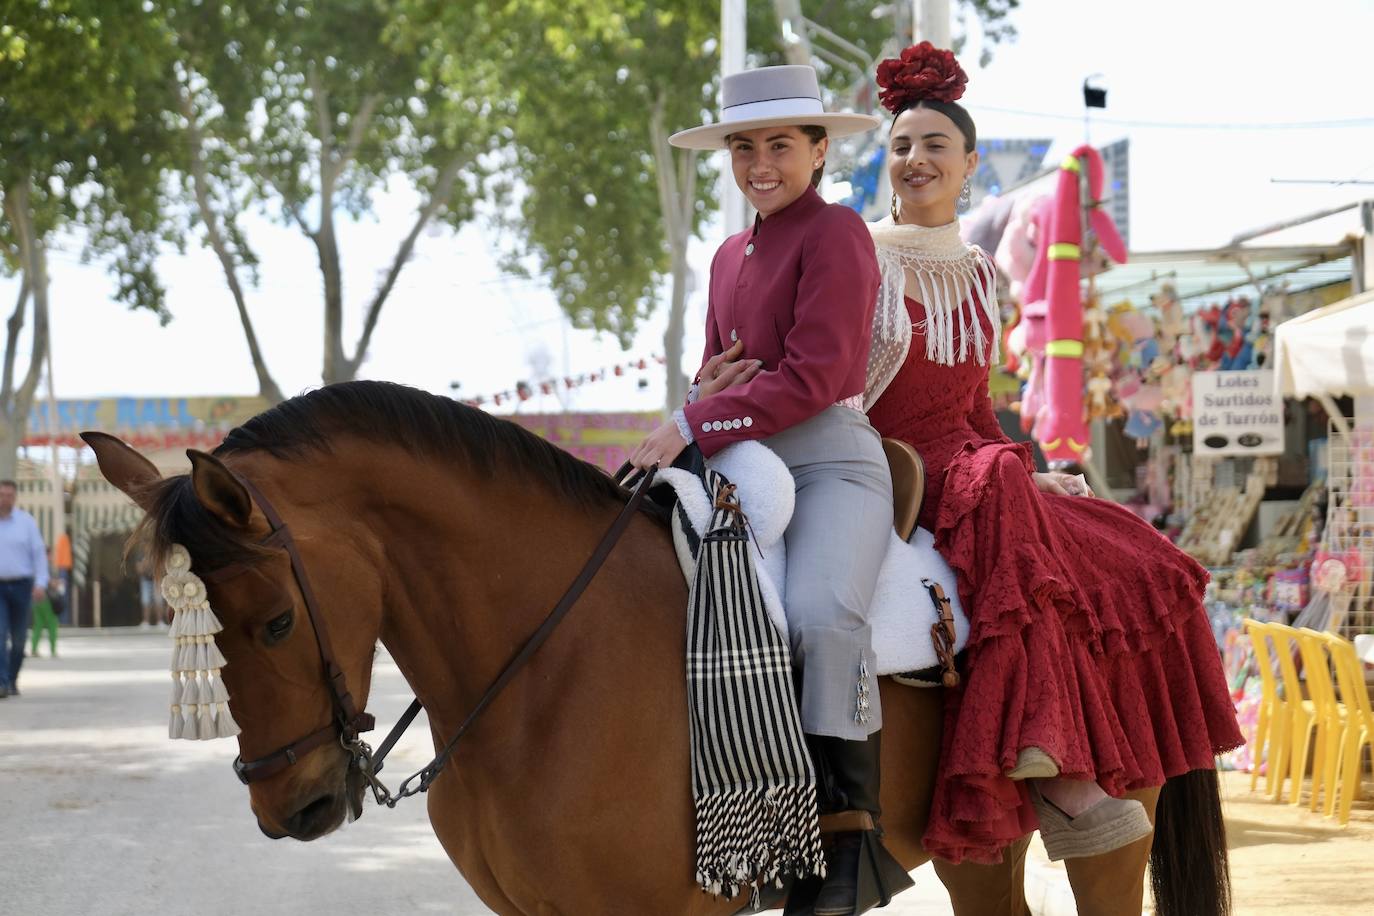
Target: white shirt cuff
{"x":680,"y":417}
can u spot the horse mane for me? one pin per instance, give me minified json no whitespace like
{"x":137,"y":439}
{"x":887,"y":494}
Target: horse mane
{"x":383,"y":412}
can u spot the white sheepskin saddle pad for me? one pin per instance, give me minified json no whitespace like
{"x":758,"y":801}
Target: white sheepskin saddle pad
{"x":903,"y":611}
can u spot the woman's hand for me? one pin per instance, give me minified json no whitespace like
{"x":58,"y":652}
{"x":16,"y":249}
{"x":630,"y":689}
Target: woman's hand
{"x":1062,"y":484}
{"x":725,"y":370}
{"x":661,"y":447}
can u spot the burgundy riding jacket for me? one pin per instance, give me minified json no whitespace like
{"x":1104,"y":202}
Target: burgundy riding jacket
{"x":799,"y":289}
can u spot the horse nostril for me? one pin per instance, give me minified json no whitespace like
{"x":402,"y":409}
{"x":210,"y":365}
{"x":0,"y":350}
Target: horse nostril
{"x":270,"y":834}
{"x":315,"y":819}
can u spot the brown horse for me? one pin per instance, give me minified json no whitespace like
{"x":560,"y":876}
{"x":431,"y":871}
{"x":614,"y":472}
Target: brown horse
{"x":448,"y":535}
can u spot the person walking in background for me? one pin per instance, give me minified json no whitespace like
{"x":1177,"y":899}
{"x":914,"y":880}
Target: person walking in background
{"x":23,"y":579}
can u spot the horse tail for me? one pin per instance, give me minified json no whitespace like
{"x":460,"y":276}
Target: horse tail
{"x":1189,"y":867}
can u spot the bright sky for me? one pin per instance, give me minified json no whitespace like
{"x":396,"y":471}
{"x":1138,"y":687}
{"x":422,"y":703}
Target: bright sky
{"x":452,"y":317}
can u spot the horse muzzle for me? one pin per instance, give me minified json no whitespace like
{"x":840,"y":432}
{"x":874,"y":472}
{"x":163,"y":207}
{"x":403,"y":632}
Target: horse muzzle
{"x":321,"y":815}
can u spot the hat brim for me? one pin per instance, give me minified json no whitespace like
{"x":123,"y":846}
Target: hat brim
{"x":712,"y":136}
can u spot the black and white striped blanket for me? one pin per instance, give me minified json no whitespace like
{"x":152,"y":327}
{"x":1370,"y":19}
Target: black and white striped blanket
{"x":753,"y":783}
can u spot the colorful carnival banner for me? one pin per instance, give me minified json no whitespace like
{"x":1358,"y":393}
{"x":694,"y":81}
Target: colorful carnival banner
{"x":189,"y":422}
{"x":604,"y":439}
{"x":153,"y":424}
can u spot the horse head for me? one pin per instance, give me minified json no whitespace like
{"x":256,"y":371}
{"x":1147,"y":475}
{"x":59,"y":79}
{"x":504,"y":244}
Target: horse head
{"x":275,"y":671}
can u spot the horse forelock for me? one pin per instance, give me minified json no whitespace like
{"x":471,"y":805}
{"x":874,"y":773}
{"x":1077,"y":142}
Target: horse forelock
{"x":177,"y":516}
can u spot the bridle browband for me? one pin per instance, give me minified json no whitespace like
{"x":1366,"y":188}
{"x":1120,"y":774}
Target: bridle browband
{"x":349,"y":722}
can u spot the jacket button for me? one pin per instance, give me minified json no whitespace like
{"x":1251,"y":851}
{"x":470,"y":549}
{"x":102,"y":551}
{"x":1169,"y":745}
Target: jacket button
{"x":736,"y":423}
{"x":748,"y":421}
{"x":749,"y":249}
{"x":706,"y":427}
{"x":717,"y":425}
{"x":734,"y":335}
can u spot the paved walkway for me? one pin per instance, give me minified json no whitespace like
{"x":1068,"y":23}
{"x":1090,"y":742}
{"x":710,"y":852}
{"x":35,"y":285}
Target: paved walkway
{"x":103,"y":814}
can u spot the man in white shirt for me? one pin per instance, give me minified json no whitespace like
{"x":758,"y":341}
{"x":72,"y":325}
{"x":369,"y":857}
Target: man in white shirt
{"x":23,"y":577}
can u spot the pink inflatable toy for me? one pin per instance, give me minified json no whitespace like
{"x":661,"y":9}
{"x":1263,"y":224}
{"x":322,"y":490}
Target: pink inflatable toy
{"x":1060,"y":425}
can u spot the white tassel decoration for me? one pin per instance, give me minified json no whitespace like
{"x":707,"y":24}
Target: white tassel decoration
{"x":225,"y":726}
{"x":204,"y":695}
{"x":217,"y":688}
{"x":200,"y":701}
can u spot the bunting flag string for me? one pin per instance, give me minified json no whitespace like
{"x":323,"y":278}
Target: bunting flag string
{"x":524,"y":390}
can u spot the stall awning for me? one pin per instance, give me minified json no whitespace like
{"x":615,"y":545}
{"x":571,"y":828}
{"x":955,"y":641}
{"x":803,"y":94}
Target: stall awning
{"x":1328,"y":351}
{"x":1197,"y":276}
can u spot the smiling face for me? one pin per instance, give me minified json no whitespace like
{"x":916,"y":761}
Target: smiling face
{"x":928,"y":166}
{"x":773,"y":165}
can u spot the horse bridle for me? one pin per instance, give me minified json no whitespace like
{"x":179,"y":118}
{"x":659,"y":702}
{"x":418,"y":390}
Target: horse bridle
{"x":349,"y":722}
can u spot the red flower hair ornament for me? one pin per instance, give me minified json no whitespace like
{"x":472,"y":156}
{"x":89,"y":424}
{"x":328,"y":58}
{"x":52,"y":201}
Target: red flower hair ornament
{"x":922,"y":72}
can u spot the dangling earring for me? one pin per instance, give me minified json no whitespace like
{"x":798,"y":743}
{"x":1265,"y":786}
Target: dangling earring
{"x":896,"y":209}
{"x":965,"y":196}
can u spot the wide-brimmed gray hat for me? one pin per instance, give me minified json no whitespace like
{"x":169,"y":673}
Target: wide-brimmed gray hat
{"x":771,"y":97}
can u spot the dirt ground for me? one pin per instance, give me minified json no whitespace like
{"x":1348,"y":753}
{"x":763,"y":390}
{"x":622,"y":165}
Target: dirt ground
{"x":103,"y":814}
{"x":1292,"y":860}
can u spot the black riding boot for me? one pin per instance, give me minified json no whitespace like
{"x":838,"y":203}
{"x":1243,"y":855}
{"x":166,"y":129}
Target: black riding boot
{"x":860,"y":872}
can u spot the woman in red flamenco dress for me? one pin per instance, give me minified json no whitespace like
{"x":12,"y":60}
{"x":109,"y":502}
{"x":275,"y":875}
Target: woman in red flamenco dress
{"x":1091,"y":669}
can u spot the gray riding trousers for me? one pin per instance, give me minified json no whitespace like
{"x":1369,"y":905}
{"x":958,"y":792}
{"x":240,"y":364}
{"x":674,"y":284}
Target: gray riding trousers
{"x":836,"y":543}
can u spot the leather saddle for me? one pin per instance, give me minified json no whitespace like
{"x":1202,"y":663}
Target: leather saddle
{"x":908,"y":485}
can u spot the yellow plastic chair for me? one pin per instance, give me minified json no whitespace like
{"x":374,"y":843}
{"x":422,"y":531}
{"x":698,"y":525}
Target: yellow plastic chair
{"x":1273,"y":712}
{"x":1328,"y":718}
{"x":1359,"y":731}
{"x":1302,"y":715}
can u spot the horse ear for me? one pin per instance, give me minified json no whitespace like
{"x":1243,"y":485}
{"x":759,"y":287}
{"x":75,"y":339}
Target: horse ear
{"x":219,"y":490}
{"x":129,"y":471}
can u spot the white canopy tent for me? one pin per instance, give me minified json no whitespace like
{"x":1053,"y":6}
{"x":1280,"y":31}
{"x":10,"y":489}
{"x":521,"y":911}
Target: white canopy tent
{"x":1324,"y":354}
{"x":1328,"y":352}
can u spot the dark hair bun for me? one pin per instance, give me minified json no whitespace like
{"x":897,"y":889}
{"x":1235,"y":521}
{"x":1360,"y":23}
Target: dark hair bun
{"x":922,"y":72}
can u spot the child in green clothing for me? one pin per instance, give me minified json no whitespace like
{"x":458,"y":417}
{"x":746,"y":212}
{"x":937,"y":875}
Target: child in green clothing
{"x":44,"y":618}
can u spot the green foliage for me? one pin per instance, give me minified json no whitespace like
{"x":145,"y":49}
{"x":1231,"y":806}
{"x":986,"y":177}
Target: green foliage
{"x":82,"y":86}
{"x":577,"y":184}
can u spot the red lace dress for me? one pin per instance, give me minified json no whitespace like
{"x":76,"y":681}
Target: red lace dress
{"x":1088,"y":634}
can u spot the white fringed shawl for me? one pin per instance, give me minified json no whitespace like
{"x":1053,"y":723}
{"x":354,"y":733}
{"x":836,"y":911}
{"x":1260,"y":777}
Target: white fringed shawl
{"x":951,"y":280}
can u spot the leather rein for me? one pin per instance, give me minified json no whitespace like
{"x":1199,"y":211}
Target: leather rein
{"x":349,"y":722}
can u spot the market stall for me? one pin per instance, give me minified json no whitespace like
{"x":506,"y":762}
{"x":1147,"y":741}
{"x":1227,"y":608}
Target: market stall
{"x":1325,"y":354}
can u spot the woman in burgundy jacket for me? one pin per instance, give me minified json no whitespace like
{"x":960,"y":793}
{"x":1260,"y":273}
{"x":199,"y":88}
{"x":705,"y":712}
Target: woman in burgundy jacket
{"x":790,"y":313}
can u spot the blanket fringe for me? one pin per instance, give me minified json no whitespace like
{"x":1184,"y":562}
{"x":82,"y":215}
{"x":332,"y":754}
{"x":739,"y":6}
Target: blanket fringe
{"x":753,"y":837}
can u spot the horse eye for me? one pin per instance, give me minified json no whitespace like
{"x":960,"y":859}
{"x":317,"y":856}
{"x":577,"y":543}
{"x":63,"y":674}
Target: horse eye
{"x":279,"y":627}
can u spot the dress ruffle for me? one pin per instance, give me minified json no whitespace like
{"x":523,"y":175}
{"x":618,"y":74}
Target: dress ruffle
{"x":1088,"y":636}
{"x":1077,"y":605}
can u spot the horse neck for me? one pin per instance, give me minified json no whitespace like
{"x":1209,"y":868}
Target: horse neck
{"x":477,"y":563}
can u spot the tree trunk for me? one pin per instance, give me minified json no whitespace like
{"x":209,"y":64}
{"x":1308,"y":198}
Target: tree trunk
{"x":34,"y":260}
{"x":677,"y":179}
{"x":672,"y":337}
{"x":267,"y":386}
{"x":443,"y":190}
{"x":334,"y":369}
